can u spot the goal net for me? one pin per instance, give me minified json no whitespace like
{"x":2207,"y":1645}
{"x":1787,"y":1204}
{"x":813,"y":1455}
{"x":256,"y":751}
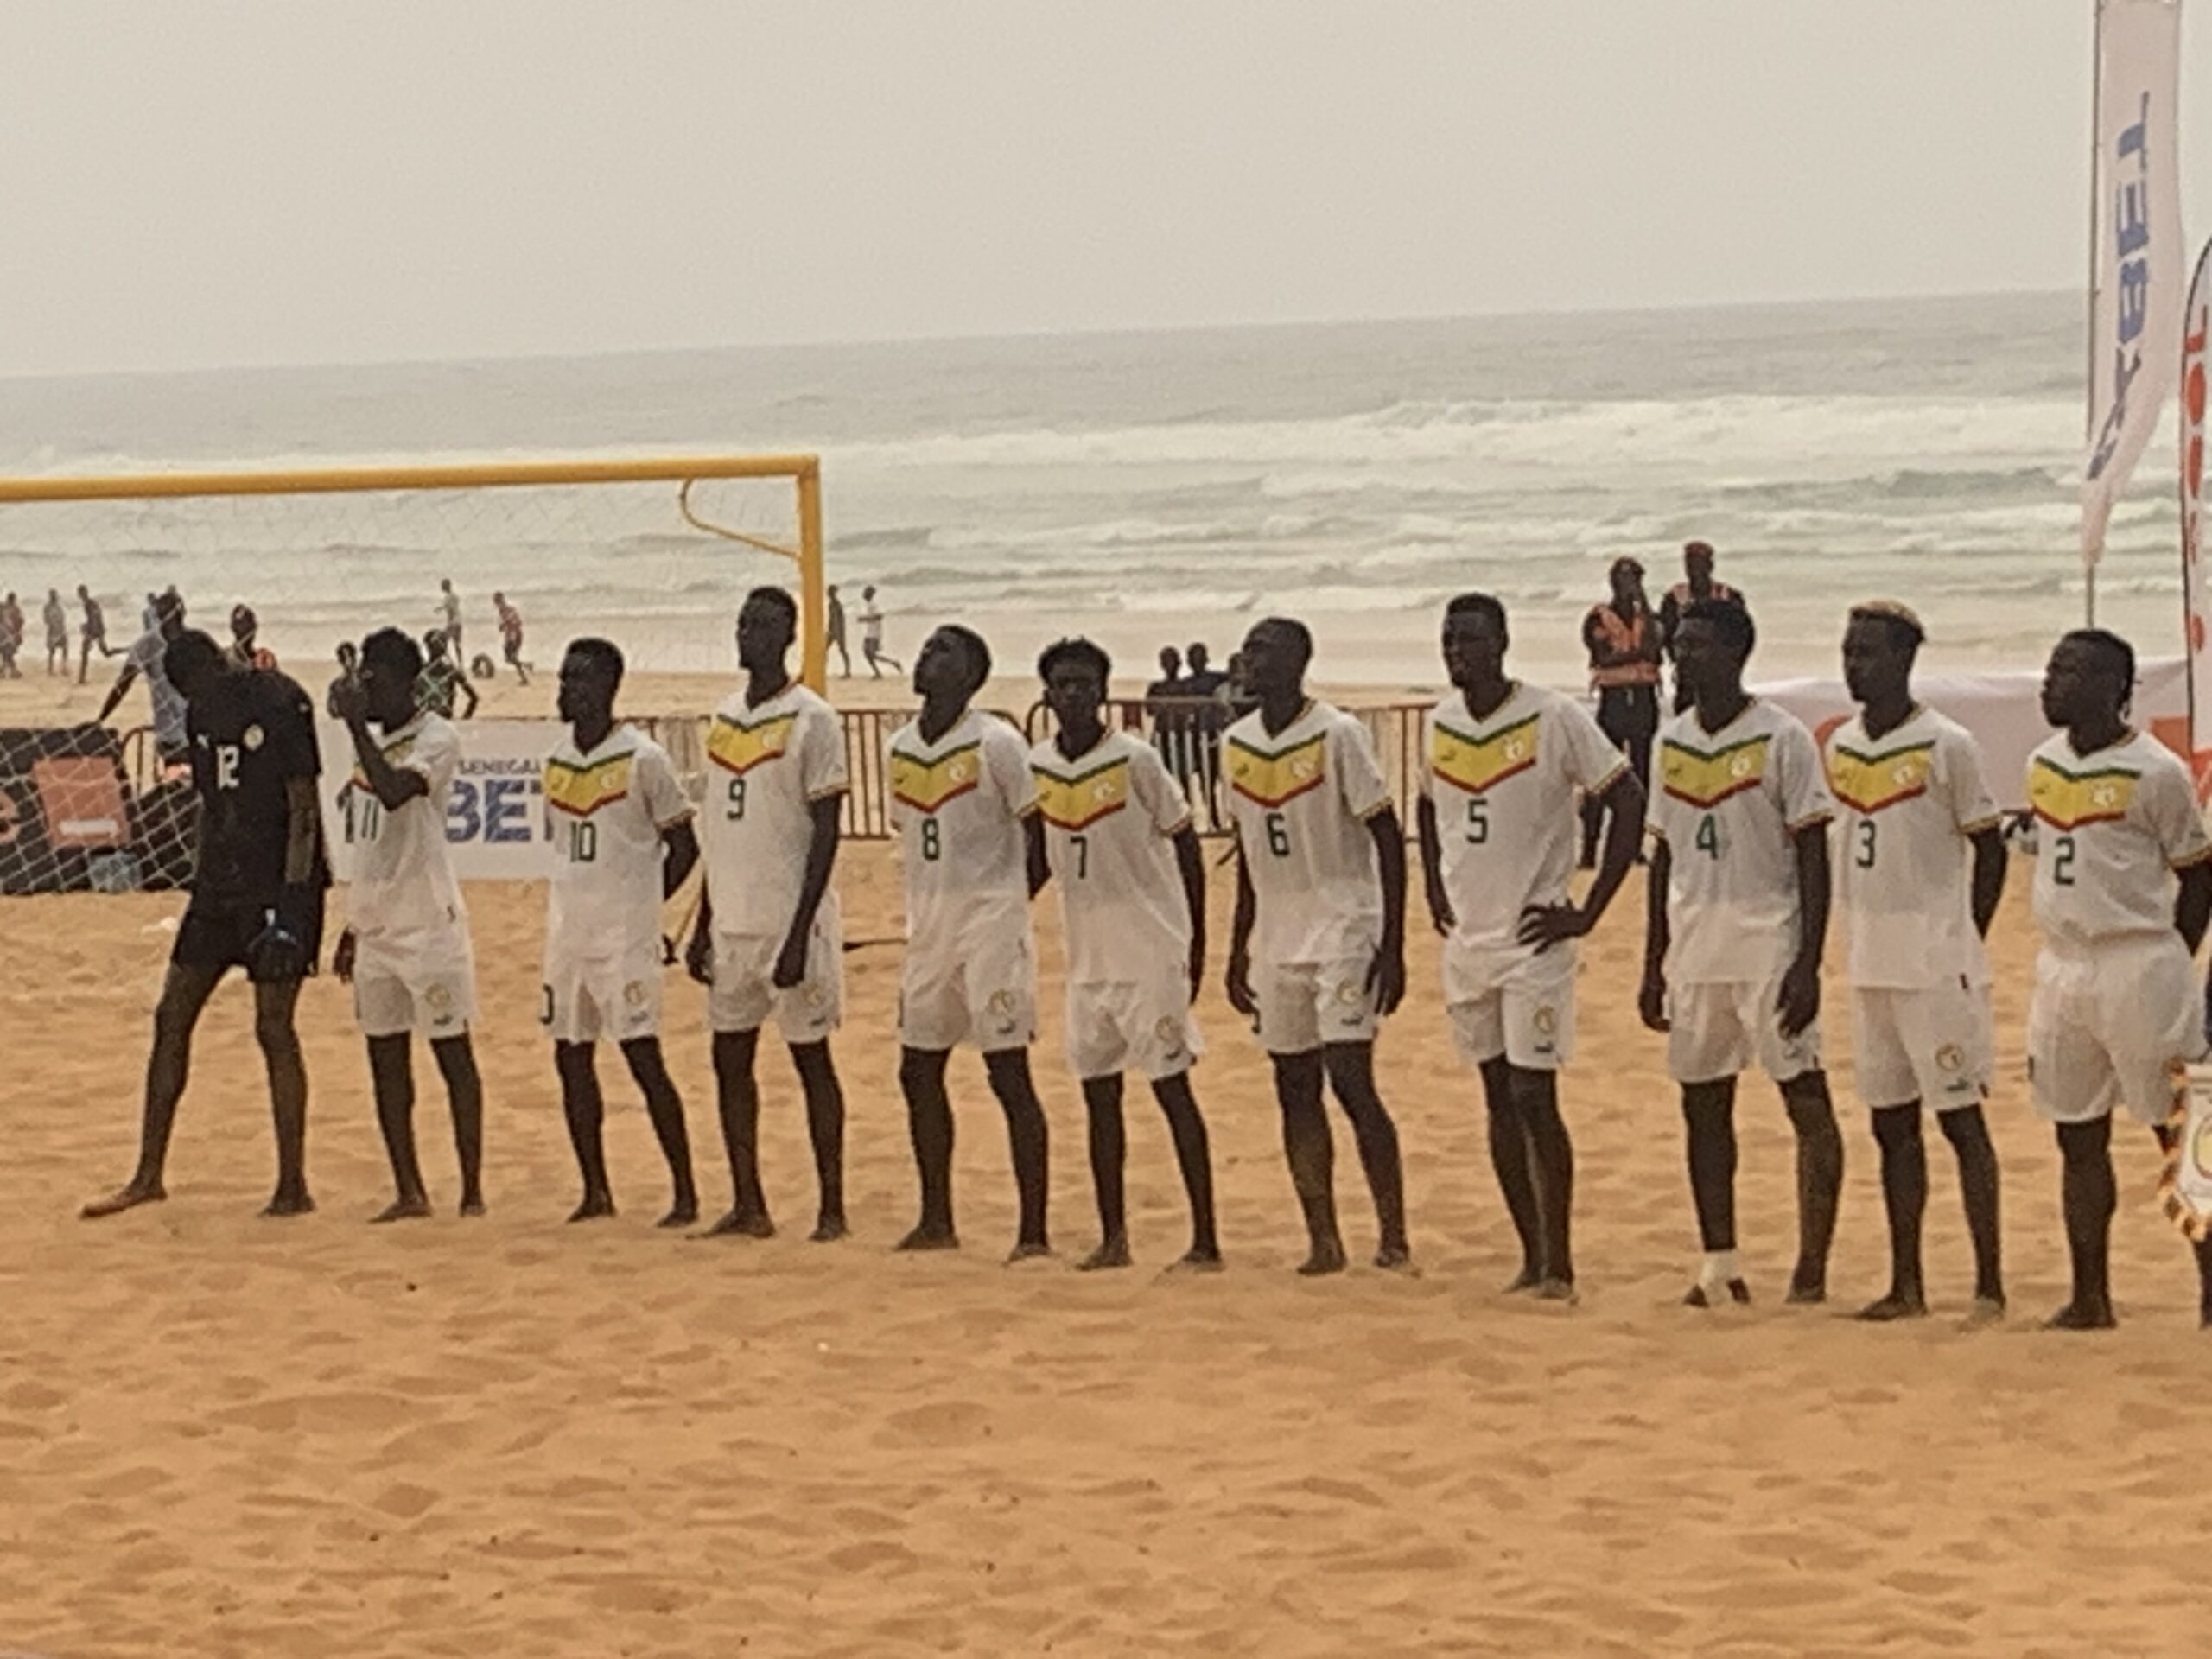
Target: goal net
{"x":502,"y":562}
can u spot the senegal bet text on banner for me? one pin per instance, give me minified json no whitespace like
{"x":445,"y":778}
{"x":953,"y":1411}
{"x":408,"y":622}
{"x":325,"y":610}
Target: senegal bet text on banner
{"x":2135,"y":295}
{"x":2195,"y":589}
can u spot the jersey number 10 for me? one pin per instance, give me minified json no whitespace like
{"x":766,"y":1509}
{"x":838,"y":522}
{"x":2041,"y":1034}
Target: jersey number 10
{"x":583,"y":842}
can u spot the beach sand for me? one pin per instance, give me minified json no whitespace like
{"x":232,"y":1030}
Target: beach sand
{"x":223,"y":1435}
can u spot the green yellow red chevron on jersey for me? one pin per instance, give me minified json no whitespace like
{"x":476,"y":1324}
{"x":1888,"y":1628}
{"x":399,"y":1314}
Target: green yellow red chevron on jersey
{"x":581,"y":791}
{"x":1869,"y":783}
{"x":1076,"y":804}
{"x":738,"y":748}
{"x":1703,"y":780}
{"x":2067,"y":800}
{"x":927,"y":785}
{"x":1272,"y":779}
{"x":1479,"y":765}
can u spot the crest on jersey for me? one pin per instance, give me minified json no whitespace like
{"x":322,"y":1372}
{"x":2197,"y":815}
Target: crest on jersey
{"x":1273,"y":779}
{"x":2185,"y":1187}
{"x":927,"y":784}
{"x":1702,"y":780}
{"x":737,"y":747}
{"x":2068,"y":801}
{"x":1873,"y":783}
{"x":1077,"y":803}
{"x":1480,"y":764}
{"x":254,"y":737}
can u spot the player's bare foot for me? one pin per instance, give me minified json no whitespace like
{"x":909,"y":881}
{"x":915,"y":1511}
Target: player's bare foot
{"x":1029,"y":1249}
{"x":1738,"y":1292}
{"x":596,"y":1206}
{"x":1556,"y":1290}
{"x":474,"y":1207}
{"x":1114,"y":1253}
{"x":128,"y":1197}
{"x":2078,"y":1316}
{"x":1986,"y":1310}
{"x":1327,"y":1257}
{"x":288,"y":1204}
{"x":742,"y":1223}
{"x":1196,"y":1261}
{"x":1397,"y":1258}
{"x":407,"y":1208}
{"x":828,"y":1231}
{"x":1806,"y":1292}
{"x":929,"y":1237}
{"x":1527,"y":1279}
{"x":1895,"y":1306}
{"x":683,"y":1212}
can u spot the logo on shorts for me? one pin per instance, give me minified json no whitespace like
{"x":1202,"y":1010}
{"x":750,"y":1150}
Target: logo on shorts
{"x":439,"y":1001}
{"x":1001,"y":1004}
{"x":1168,"y":1029}
{"x":634,"y":994}
{"x":1950,"y":1058}
{"x":252,"y":739}
{"x":1545,"y":1020}
{"x":1351,"y":993}
{"x":815,"y":996}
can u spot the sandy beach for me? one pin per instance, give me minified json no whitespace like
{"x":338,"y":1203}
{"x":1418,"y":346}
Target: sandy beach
{"x":225,"y":1435}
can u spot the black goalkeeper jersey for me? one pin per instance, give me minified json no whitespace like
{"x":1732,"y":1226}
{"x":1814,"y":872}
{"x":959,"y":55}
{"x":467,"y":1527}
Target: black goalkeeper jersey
{"x":252,"y":733}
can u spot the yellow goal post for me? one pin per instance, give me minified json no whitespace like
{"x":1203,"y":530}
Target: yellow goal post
{"x":683,"y":472}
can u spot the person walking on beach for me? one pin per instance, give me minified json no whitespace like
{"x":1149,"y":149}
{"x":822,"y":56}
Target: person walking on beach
{"x":1697,"y":583}
{"x":623,"y":840}
{"x":449,"y":609}
{"x":11,"y":637}
{"x":57,"y":632}
{"x":836,"y":640}
{"x":1503,"y":762}
{"x":511,"y":637}
{"x":95,"y":633}
{"x":1622,"y":638}
{"x":2122,"y":893}
{"x":1922,"y":870}
{"x":1737,"y":917}
{"x":872,"y":637}
{"x":964,"y":809}
{"x":442,"y":683}
{"x":257,"y":902}
{"x":1317,"y":945}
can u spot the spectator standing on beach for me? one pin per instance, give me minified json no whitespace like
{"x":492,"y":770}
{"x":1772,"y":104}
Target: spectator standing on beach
{"x":449,"y":609}
{"x":1622,"y":636}
{"x":443,"y":681}
{"x":1697,"y":583}
{"x":1207,"y":723}
{"x":1170,"y":721}
{"x":57,"y":631}
{"x":95,"y":634}
{"x":349,"y":664}
{"x":872,"y":637}
{"x":510,"y":636}
{"x":11,"y":637}
{"x":836,"y":641}
{"x":243,"y":650}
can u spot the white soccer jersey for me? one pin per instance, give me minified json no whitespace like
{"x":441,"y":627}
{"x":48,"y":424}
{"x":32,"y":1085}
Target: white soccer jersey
{"x":404,"y":884}
{"x":958,"y":805}
{"x":1504,"y":789}
{"x":1301,"y":799}
{"x":1109,"y":814}
{"x":1909,"y":802}
{"x":2115,"y":824}
{"x":608,"y":809}
{"x":1729,"y":803}
{"x":767,"y":766}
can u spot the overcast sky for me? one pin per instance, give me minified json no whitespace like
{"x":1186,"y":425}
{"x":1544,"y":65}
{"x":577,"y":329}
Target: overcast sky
{"x":189,"y":183}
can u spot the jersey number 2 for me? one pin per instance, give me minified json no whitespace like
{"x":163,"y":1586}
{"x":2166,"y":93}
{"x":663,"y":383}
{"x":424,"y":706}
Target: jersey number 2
{"x":2062,"y":860}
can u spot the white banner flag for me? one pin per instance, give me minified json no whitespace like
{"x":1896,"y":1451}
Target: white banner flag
{"x":2196,"y":590}
{"x":495,"y":821}
{"x":2135,"y":297}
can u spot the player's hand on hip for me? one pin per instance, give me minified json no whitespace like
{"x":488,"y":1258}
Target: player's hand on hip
{"x":1386,"y":978}
{"x":1799,"y":1000}
{"x":699,"y":957}
{"x":790,"y":963}
{"x":1238,"y":985}
{"x":1545,"y":925}
{"x":1651,"y":1001}
{"x":341,"y":960}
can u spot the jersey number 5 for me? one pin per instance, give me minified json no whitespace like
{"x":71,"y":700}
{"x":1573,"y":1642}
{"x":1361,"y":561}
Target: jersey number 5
{"x":1478,"y":821}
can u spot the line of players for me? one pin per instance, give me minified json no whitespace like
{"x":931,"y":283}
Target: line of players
{"x":1740,"y":891}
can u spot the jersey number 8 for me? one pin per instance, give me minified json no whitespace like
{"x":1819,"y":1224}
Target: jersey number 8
{"x":932,"y":842}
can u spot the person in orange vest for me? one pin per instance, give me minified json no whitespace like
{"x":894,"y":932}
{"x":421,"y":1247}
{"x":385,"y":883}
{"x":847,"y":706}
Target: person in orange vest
{"x":1624,"y":640}
{"x":1697,"y":583}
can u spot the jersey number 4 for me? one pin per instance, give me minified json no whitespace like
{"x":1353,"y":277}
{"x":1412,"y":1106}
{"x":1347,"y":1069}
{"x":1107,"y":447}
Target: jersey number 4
{"x":1708,"y":835}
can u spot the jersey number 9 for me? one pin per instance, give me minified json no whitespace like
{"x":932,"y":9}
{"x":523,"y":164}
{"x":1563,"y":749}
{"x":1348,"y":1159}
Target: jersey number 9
{"x":736,"y":800}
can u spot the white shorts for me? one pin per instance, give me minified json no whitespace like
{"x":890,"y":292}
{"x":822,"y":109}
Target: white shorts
{"x":1522,"y":1008}
{"x":1930,"y":1045}
{"x":1117,"y":1028}
{"x":744,"y":993}
{"x":1719,"y":1030}
{"x":604,"y":998}
{"x":425,"y":986}
{"x":981,"y":988}
{"x":2103,"y":1028}
{"x":1305,"y":1005}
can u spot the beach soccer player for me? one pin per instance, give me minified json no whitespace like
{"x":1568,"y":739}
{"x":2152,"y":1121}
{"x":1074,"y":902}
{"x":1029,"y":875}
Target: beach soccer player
{"x":511,"y":637}
{"x":449,"y":615}
{"x":623,"y":840}
{"x":95,"y":632}
{"x":444,"y":684}
{"x":1118,"y":836}
{"x":1506,"y":766}
{"x":1738,"y":913}
{"x":1317,"y":951}
{"x":257,"y":902}
{"x":1922,"y":870}
{"x":836,"y":632}
{"x":768,"y":938}
{"x":405,"y":949}
{"x":872,"y":637}
{"x":964,"y":807}
{"x":57,"y":632}
{"x":147,"y":659}
{"x":2123,"y":890}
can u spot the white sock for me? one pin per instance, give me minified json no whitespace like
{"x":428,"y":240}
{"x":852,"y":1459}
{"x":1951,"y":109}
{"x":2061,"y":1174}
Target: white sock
{"x":1719,"y":1269}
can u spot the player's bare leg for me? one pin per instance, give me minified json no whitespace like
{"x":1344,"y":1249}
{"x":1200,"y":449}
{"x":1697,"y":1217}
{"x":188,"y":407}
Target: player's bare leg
{"x":825,"y":1130}
{"x":391,"y":1073}
{"x":1194,"y":1157}
{"x":1709,"y":1117}
{"x":1008,"y":1072}
{"x":1509,"y":1157}
{"x":738,"y":1097}
{"x":184,"y":994}
{"x":2088,"y":1195}
{"x":1312,"y":1155}
{"x":1820,"y":1181}
{"x":586,"y":1111}
{"x":666,"y":1108}
{"x":2202,"y":1250}
{"x":273,"y":1007}
{"x":1102,"y":1105}
{"x":1904,"y":1198}
{"x":929,"y":1122}
{"x":456,"y":1058}
{"x":1551,"y":1166}
{"x":1969,"y":1134}
{"x":1350,"y":1067}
